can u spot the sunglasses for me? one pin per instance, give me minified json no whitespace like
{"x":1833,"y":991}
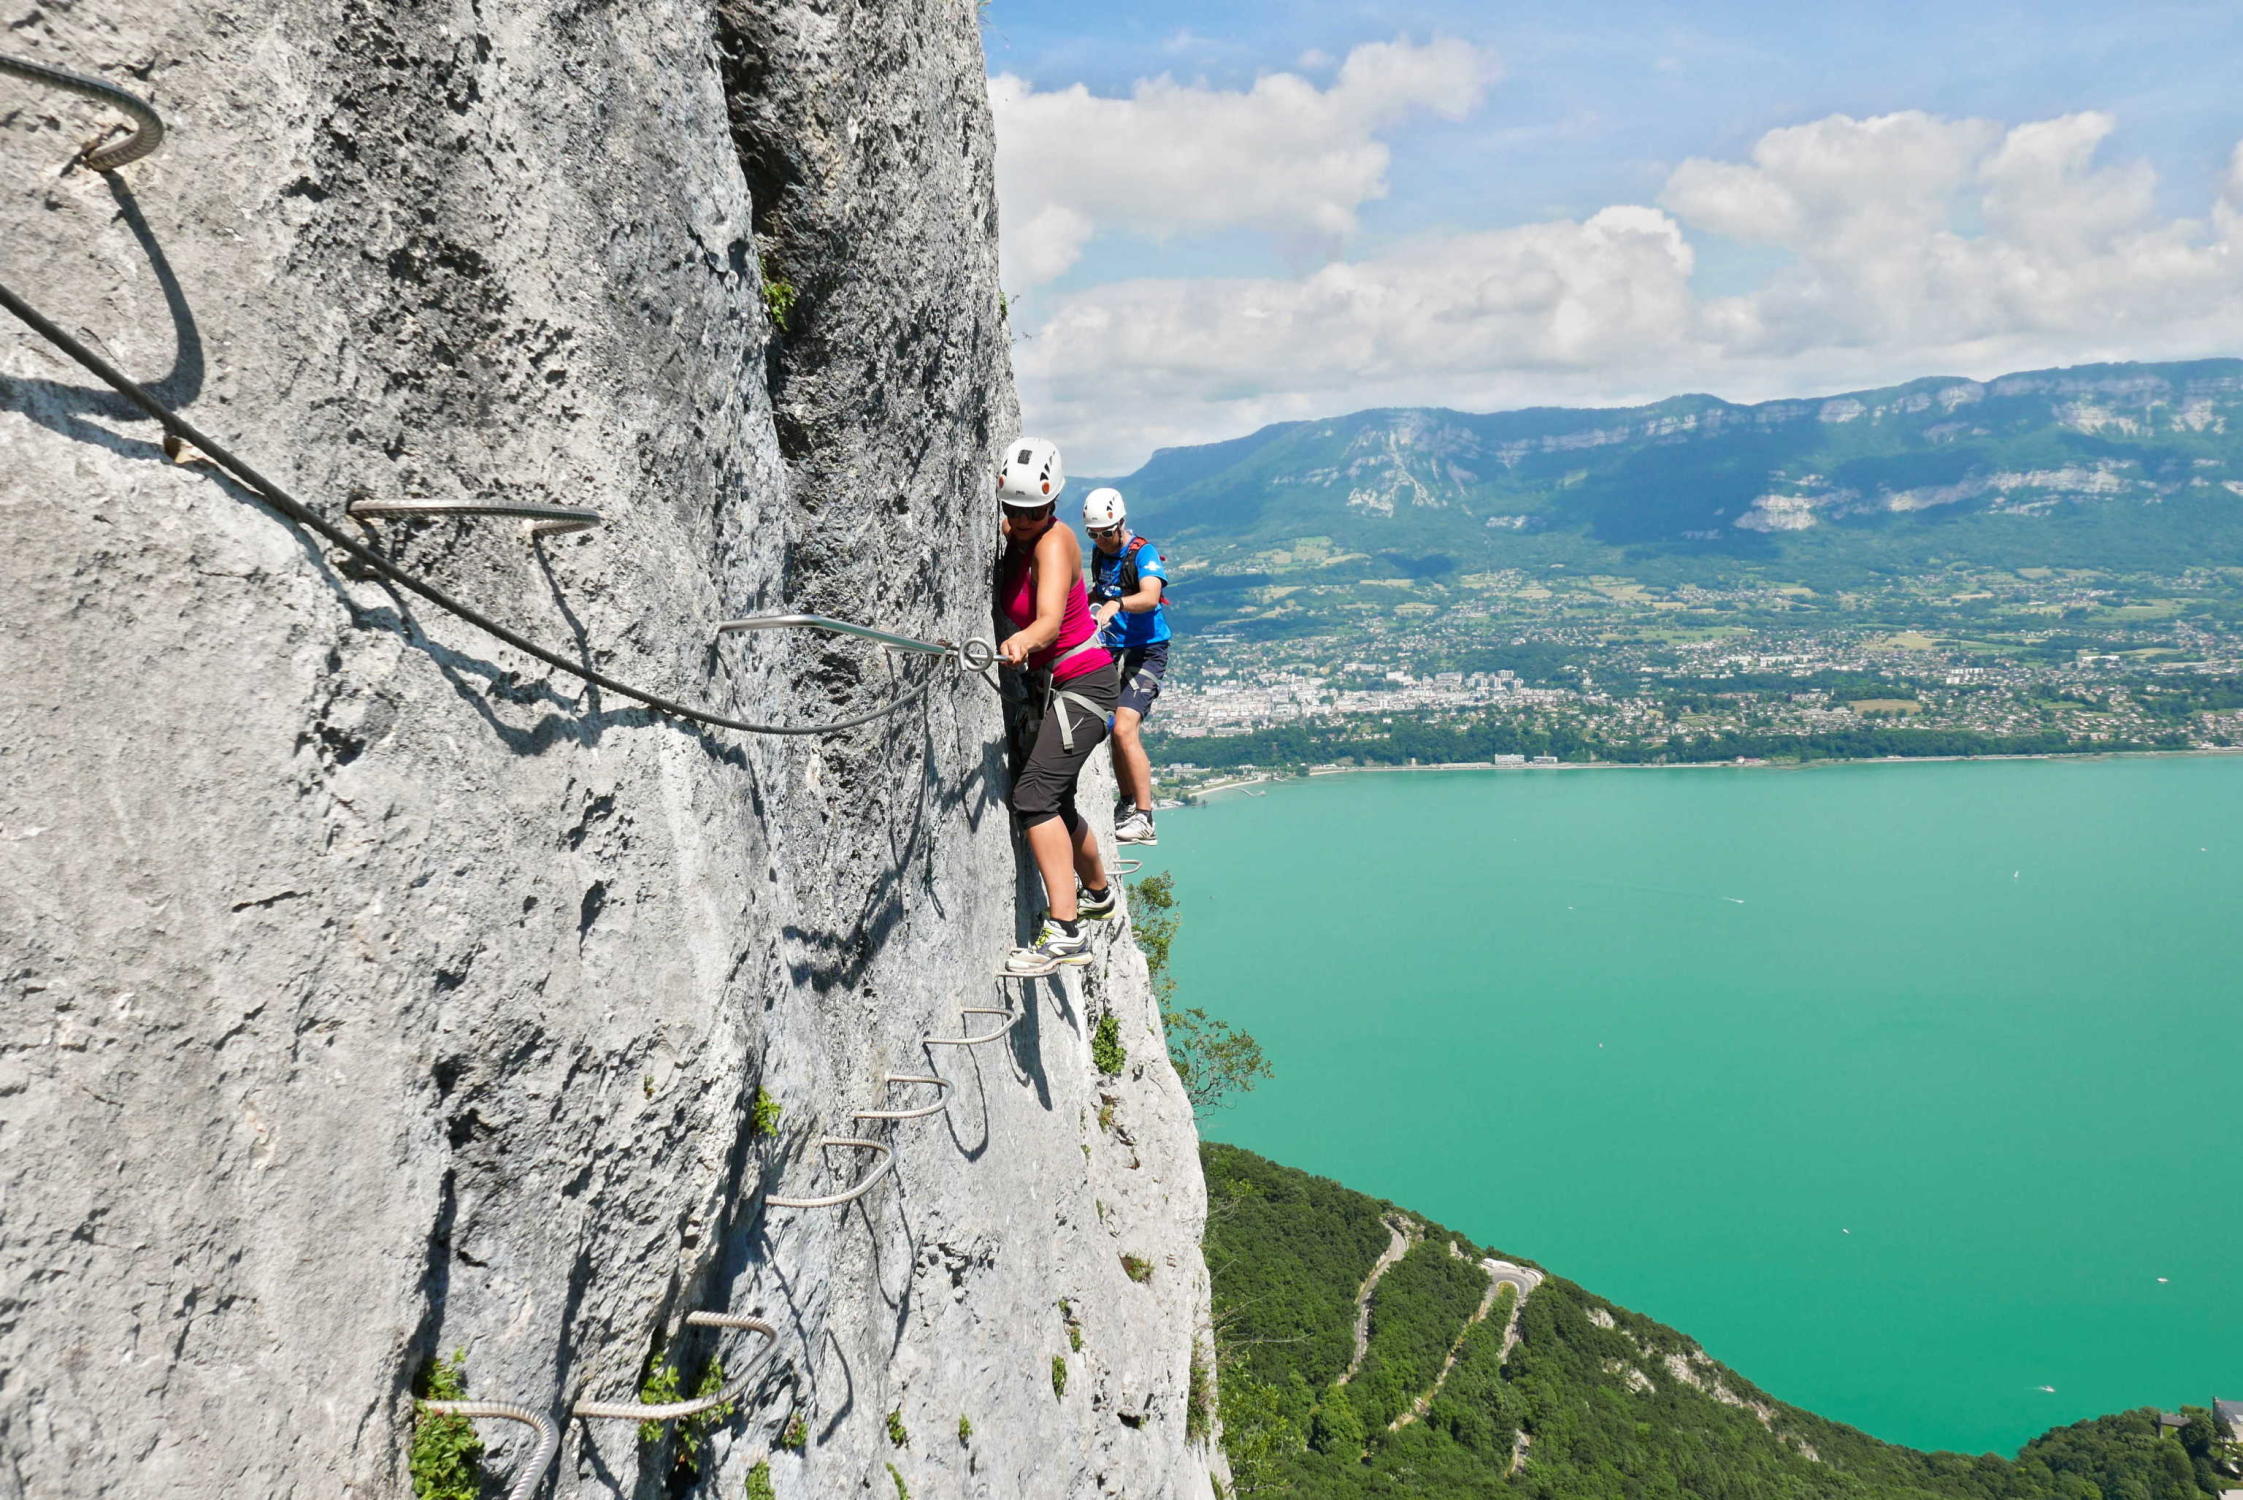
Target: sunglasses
{"x":1105,"y":531}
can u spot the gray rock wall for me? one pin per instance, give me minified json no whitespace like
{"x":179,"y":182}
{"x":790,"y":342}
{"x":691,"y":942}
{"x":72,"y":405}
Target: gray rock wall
{"x":368,"y":991}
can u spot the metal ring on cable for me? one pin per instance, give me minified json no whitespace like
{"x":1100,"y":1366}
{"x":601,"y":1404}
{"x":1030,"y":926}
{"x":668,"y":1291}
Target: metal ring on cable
{"x":975,"y":655}
{"x":851,"y":1194}
{"x":545,"y":520}
{"x":942,"y":1098}
{"x":1012,"y":1019}
{"x":147,"y":125}
{"x":541,"y":1458}
{"x":670,"y":1411}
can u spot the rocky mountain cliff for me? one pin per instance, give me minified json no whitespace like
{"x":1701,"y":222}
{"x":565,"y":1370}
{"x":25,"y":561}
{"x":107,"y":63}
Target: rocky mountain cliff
{"x":369,"y":992}
{"x":1936,"y":463}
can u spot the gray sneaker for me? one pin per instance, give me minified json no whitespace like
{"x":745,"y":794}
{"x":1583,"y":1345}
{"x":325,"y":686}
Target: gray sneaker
{"x":1052,"y":950}
{"x":1137,"y":828}
{"x":1095,"y":908}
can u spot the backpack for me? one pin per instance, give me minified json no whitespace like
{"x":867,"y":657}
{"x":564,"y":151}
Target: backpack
{"x":1127,"y":579}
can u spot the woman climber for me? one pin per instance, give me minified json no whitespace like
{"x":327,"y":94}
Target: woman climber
{"x":1040,"y":596}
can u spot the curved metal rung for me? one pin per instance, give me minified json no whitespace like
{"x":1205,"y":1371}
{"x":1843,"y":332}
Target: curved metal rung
{"x":850,"y":1195}
{"x":541,"y":1458}
{"x":1012,"y":1019}
{"x":942,"y":1098}
{"x":1125,"y":867}
{"x":147,"y":125}
{"x":1051,"y":973}
{"x":670,"y":1411}
{"x":974,"y":655}
{"x":545,"y":520}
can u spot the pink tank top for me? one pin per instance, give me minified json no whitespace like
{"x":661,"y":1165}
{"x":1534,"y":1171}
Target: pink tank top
{"x":1017,"y":597}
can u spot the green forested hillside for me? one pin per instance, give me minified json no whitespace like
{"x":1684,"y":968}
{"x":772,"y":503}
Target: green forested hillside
{"x":1593,"y":1403}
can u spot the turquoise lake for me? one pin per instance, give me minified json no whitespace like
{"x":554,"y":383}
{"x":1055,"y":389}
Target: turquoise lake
{"x":1674,"y":1033}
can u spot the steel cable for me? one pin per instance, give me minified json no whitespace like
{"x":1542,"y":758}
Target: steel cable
{"x":147,"y":125}
{"x":305,"y":517}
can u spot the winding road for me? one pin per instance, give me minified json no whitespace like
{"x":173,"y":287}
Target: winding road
{"x":1500,"y":1274}
{"x":1406,"y":1233}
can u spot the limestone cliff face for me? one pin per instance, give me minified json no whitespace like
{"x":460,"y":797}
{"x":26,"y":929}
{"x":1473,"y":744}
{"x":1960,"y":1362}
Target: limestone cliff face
{"x":368,"y":991}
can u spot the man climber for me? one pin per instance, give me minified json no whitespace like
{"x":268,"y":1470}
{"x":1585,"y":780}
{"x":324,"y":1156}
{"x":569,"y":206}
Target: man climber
{"x":1127,"y":576}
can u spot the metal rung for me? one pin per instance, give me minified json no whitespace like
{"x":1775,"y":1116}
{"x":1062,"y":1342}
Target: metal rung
{"x":545,"y":520}
{"x":1125,"y":867}
{"x":942,"y":1098}
{"x":670,"y":1411}
{"x":1012,"y":1019}
{"x":835,"y":1200}
{"x":541,"y":1458}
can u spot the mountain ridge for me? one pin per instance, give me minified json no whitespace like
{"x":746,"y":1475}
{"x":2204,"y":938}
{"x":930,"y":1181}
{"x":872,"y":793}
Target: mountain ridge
{"x":1738,"y":482}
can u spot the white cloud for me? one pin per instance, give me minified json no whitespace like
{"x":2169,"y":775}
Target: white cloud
{"x":1284,"y":156}
{"x":2065,"y":255}
{"x":1209,"y":358}
{"x":1912,"y":245}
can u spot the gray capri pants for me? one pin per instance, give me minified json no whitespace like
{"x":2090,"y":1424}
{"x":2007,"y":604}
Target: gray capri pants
{"x":1045,"y":787}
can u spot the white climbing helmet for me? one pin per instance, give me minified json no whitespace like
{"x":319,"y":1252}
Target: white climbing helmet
{"x":1103,"y":508}
{"x":1031,"y":474}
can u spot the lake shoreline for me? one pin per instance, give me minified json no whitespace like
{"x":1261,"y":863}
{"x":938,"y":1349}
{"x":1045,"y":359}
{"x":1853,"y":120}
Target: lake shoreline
{"x":1271,"y":778}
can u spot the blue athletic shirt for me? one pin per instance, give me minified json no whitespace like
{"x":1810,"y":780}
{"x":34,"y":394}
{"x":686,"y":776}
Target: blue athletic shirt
{"x":1128,"y":630}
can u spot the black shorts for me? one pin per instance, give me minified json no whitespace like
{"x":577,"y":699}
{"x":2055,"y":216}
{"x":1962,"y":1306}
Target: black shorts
{"x":1142,"y":668}
{"x":1045,"y":787}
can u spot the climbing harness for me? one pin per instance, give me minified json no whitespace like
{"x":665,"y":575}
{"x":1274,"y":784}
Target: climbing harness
{"x":147,"y":125}
{"x":1055,"y":695}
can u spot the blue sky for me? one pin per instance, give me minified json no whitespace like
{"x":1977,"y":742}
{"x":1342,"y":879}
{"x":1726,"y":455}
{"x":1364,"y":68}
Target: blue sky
{"x":1584,"y":110}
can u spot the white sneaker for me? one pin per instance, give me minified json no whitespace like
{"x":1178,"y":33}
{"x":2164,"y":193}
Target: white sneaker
{"x":1052,"y":950}
{"x":1137,"y":828}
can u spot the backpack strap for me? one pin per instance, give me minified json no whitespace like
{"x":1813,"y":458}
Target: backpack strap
{"x":1129,"y":576}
